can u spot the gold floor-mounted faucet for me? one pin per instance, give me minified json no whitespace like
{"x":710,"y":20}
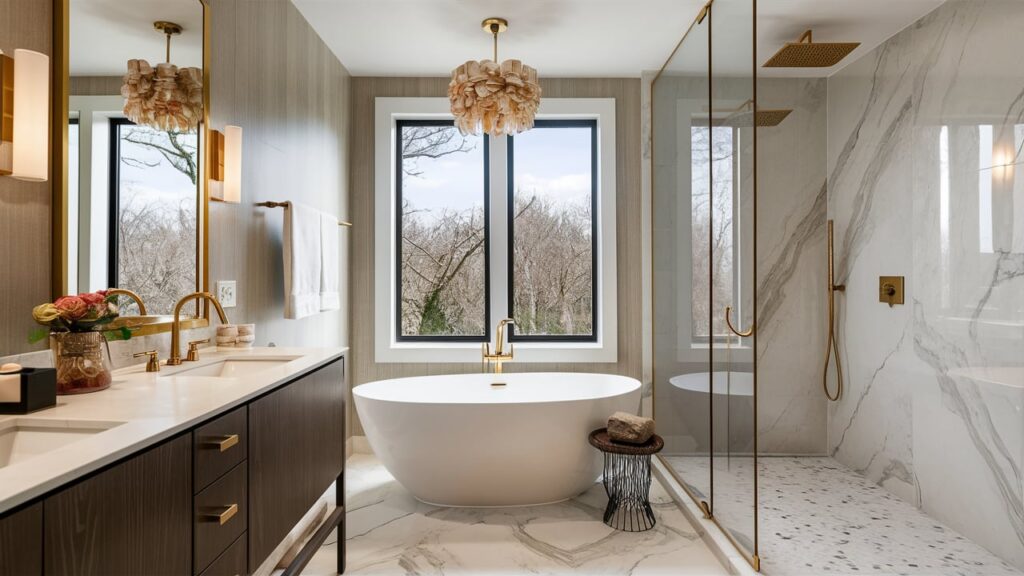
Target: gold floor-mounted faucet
{"x":499,"y":354}
{"x":175,"y":358}
{"x":130,"y":294}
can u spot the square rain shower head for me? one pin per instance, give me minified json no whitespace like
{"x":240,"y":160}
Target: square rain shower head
{"x":805,"y":53}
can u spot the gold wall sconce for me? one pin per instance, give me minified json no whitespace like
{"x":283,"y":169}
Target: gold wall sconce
{"x":890,"y":290}
{"x":25,"y":115}
{"x":226,"y":165}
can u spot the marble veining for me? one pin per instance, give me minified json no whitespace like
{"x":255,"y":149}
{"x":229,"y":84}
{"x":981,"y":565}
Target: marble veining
{"x":792,"y":202}
{"x":389,"y":532}
{"x":919,"y":133}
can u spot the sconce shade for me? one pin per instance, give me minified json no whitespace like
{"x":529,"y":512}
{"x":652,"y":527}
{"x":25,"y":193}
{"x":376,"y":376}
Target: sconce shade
{"x":232,"y":164}
{"x":226,"y":165}
{"x":31,"y":154}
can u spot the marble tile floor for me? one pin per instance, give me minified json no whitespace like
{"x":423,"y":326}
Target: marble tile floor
{"x":390,"y":532}
{"x":818,"y":517}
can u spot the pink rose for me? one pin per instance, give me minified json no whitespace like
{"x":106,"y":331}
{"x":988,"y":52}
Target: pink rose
{"x":71,"y":307}
{"x":91,"y":298}
{"x":96,"y":303}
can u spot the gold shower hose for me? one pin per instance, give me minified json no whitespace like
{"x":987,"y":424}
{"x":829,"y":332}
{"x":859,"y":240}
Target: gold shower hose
{"x":832,"y":346}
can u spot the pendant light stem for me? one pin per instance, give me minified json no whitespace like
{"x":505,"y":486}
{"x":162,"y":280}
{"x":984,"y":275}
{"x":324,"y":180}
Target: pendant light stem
{"x":168,"y":47}
{"x":494,"y":30}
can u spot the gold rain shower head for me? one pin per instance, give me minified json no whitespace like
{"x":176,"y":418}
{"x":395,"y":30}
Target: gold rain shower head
{"x":805,"y":53}
{"x":744,"y":117}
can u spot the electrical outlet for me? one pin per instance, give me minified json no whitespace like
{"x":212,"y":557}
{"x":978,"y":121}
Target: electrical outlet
{"x":226,"y":293}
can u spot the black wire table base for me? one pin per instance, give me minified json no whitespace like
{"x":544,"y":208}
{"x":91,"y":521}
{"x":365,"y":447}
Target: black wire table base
{"x":627,"y":481}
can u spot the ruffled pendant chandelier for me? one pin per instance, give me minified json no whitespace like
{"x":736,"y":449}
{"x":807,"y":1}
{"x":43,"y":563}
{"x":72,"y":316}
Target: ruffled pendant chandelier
{"x":497,"y":98}
{"x":166,"y":98}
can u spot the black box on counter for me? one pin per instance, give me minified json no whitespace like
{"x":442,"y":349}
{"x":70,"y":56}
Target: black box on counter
{"x":38,"y":391}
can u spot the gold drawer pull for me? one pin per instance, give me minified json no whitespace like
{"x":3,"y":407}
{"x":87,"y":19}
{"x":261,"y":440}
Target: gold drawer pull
{"x":221,"y":515}
{"x":221,"y":442}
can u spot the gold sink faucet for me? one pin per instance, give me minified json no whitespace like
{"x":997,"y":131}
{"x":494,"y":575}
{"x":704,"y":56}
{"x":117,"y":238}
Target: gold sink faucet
{"x":130,"y":294}
{"x":175,"y":358}
{"x":499,"y":354}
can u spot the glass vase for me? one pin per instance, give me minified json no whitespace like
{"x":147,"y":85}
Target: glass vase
{"x":82,"y":360}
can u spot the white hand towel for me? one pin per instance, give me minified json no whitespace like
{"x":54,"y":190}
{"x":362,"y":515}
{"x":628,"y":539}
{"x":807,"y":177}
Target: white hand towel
{"x":301,"y":261}
{"x":329,"y":250}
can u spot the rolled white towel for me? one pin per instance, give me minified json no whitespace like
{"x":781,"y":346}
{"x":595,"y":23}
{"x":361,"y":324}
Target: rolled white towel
{"x":226,"y":340}
{"x":625,"y":427}
{"x":246,"y":329}
{"x":227,"y":330}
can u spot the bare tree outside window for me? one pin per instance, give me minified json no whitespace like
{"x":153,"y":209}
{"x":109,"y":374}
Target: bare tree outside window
{"x":553,"y":241}
{"x":443,"y":262}
{"x":712,"y":153}
{"x":156,"y":218}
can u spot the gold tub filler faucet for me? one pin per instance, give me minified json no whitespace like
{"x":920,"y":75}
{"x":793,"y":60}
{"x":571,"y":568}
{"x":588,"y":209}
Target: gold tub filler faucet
{"x":499,"y":355}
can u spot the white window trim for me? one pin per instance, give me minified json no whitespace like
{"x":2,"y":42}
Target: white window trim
{"x":690,"y":349}
{"x":387,"y":349}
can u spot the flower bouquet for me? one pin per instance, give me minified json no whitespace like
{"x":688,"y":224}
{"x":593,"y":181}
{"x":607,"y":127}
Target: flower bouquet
{"x":78,"y":341}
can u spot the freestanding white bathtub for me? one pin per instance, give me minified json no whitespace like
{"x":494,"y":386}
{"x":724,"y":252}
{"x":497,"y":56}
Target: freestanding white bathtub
{"x":459,"y":441}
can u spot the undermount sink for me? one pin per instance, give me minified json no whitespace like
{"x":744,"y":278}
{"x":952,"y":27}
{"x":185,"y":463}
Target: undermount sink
{"x":24,"y":438}
{"x":232,"y":367}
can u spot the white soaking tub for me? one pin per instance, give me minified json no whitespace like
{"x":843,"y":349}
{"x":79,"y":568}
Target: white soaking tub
{"x":460,"y":441}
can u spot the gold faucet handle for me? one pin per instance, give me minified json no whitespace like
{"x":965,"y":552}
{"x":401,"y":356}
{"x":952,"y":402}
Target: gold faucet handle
{"x":193,"y":349}
{"x":153,"y":364}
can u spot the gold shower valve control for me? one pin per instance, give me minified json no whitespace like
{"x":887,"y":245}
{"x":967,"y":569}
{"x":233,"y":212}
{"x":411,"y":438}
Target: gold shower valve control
{"x":890,"y":290}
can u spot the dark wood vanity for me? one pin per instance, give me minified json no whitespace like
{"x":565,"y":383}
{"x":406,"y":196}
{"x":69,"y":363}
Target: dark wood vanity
{"x":215,"y":500}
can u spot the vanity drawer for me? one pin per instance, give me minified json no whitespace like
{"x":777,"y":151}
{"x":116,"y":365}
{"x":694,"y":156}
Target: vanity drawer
{"x":231,"y":562}
{"x":219,"y":446}
{"x":220,"y":516}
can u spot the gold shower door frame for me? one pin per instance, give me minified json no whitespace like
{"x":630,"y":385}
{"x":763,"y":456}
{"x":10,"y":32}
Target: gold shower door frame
{"x":752,"y":557}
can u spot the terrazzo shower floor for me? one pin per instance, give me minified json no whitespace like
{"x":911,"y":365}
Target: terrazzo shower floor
{"x":819,"y":517}
{"x":390,"y":532}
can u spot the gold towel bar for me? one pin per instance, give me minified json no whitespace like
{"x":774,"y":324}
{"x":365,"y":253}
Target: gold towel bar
{"x":285,"y":204}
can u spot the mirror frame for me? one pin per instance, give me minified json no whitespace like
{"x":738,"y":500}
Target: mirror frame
{"x":60,"y":93}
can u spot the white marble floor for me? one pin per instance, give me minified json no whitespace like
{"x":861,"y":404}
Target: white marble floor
{"x":818,"y":517}
{"x":389,"y":532}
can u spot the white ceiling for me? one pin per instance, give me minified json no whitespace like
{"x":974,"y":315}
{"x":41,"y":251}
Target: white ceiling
{"x":583,"y":38}
{"x":105,"y":34}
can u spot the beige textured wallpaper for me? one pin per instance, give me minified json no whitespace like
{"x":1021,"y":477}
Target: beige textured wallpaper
{"x":627,"y":117}
{"x":24,"y":206}
{"x":274,"y":77}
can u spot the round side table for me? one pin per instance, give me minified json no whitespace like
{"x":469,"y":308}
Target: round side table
{"x":627,"y":480}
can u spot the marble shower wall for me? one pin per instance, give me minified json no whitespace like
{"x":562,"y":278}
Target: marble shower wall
{"x":791,"y":256}
{"x":923,"y":136}
{"x":791,"y":264}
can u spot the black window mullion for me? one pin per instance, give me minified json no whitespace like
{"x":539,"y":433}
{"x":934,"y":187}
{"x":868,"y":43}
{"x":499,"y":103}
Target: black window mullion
{"x":114,"y":204}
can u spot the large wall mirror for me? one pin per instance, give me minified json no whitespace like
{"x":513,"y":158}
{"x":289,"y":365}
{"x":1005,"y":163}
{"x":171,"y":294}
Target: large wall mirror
{"x":137,"y":108}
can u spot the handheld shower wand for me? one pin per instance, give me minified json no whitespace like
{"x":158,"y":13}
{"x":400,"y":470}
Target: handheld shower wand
{"x":832,"y":346}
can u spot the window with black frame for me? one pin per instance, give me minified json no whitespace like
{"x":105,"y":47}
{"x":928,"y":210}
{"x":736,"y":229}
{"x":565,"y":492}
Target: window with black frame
{"x":552,"y":231}
{"x":442,"y":249}
{"x":152,"y":214}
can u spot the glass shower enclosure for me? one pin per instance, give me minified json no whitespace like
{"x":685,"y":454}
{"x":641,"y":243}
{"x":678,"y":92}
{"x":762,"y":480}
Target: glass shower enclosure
{"x":704,"y":207}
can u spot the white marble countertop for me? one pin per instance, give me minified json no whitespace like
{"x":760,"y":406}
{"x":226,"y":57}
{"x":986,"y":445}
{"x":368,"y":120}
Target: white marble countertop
{"x":152,"y":407}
